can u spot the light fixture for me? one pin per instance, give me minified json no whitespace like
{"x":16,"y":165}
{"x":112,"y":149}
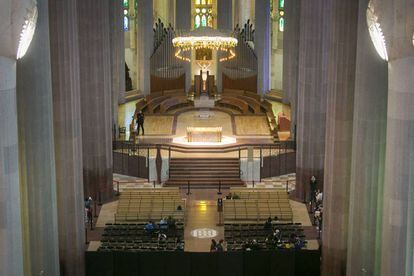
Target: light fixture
{"x":204,"y":38}
{"x":27,"y":33}
{"x":376,"y":33}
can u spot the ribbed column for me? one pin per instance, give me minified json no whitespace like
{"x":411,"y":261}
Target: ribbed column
{"x":96,"y":97}
{"x":341,"y":38}
{"x":224,"y":22}
{"x":145,"y":38}
{"x":262,"y":45}
{"x":398,"y":204}
{"x":291,"y":58}
{"x":117,"y":37}
{"x":311,"y":103}
{"x":36,"y":150}
{"x":68,"y":134}
{"x":11,"y":255}
{"x":183,"y":22}
{"x":368,"y":155}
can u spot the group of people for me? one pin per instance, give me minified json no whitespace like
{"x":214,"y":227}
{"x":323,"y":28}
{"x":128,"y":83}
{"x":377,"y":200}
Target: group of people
{"x":217,"y":247}
{"x":232,"y":196}
{"x":163,"y":226}
{"x":269,"y":223}
{"x":316,"y":204}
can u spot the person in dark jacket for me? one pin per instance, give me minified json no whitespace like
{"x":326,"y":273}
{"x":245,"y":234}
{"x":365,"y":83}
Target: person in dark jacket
{"x":140,"y":122}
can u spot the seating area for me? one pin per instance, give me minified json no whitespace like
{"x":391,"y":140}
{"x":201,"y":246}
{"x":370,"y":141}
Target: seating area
{"x":133,"y":238}
{"x":247,"y":102}
{"x":257,"y":205}
{"x":138,"y":205}
{"x":163,"y":101}
{"x":242,"y":237}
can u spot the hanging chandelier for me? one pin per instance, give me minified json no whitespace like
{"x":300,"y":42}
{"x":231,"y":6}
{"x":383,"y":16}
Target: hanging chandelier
{"x":205,"y":38}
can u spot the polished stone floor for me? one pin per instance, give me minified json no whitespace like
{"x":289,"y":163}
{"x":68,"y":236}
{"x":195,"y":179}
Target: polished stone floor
{"x":162,"y":126}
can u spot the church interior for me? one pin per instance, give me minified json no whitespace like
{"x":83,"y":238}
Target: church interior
{"x":206,"y":137}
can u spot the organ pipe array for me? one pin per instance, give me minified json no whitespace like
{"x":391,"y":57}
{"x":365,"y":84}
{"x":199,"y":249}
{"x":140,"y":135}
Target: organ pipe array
{"x":244,"y":64}
{"x":164,"y":64}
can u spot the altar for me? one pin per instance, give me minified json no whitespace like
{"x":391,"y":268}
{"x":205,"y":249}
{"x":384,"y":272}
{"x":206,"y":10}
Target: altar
{"x":204,"y":134}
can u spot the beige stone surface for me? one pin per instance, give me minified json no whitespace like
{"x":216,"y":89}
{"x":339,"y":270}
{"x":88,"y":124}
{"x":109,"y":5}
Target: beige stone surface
{"x":158,"y":125}
{"x":251,"y":125}
{"x":107,"y":214}
{"x":217,"y":119}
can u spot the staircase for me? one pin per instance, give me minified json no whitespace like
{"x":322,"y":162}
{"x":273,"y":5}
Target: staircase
{"x":204,"y":172}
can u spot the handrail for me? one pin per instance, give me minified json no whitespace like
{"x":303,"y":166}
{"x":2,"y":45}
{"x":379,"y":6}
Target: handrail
{"x":119,"y":145}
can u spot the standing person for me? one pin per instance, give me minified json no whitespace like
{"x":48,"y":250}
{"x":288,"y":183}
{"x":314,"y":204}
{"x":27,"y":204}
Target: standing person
{"x":313,"y":186}
{"x":90,"y":217}
{"x":140,"y":122}
{"x":213,"y":245}
{"x":220,"y":246}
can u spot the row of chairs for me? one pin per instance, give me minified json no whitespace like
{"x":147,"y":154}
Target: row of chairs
{"x":255,"y":211}
{"x":257,"y":204}
{"x":258,"y":237}
{"x":133,"y":237}
{"x":137,"y":205}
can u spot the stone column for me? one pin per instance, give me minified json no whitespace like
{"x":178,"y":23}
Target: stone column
{"x":117,"y":38}
{"x":11,"y":254}
{"x":291,"y":58}
{"x":68,"y":134}
{"x":36,"y":150}
{"x":96,"y":98}
{"x":368,"y":155}
{"x":183,"y":22}
{"x":243,"y":11}
{"x":224,"y":22}
{"x":341,"y":42}
{"x":262,"y":45}
{"x":311,"y":99}
{"x":145,"y":43}
{"x":398,"y":204}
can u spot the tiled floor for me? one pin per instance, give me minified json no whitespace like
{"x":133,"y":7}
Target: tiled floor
{"x":201,"y":226}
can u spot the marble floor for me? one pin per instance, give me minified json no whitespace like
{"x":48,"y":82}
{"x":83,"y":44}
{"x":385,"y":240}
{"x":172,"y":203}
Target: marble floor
{"x":201,"y":225}
{"x":162,"y":126}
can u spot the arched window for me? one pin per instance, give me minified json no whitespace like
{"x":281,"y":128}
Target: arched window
{"x":126,"y":15}
{"x":197,"y":21}
{"x":281,"y":15}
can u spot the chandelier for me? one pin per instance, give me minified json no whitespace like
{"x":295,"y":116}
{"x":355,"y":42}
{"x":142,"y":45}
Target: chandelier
{"x":205,"y":38}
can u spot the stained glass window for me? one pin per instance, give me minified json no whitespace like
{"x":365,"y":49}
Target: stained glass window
{"x":203,"y":21}
{"x":203,"y":14}
{"x":281,"y":24}
{"x":126,"y":14}
{"x":281,"y":15}
{"x":126,"y":23}
{"x":197,"y":21}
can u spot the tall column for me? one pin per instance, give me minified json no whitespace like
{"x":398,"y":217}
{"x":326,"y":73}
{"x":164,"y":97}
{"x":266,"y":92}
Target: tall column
{"x":117,"y":38}
{"x":291,"y":58}
{"x":96,"y":97}
{"x":398,"y":204}
{"x":368,"y":155}
{"x":68,"y":134}
{"x":224,"y":22}
{"x":341,"y":42}
{"x":183,"y":22}
{"x":243,"y":11}
{"x":11,"y":255}
{"x":36,"y":150}
{"x":144,"y":43}
{"x":311,"y":99}
{"x":262,"y":45}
